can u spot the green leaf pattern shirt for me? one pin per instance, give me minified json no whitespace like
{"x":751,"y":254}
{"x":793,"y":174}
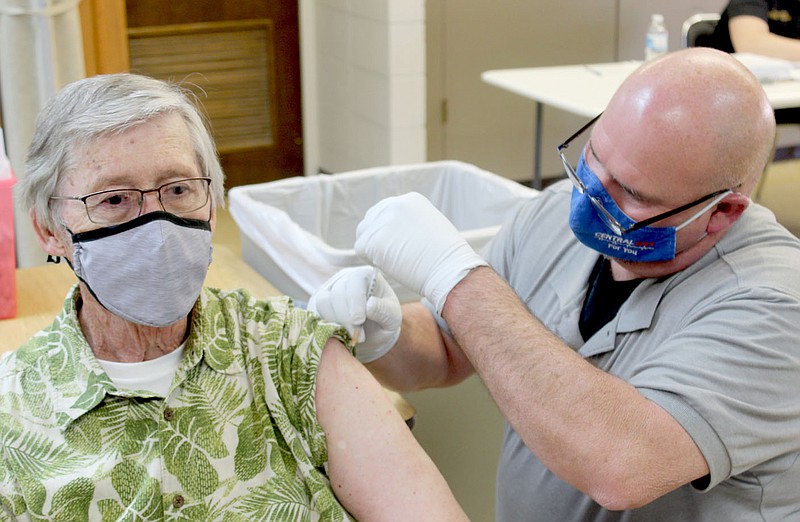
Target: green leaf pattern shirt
{"x":236,"y":439}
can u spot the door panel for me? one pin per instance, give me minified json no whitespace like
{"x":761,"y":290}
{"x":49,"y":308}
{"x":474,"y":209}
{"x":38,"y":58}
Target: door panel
{"x":242,"y":60}
{"x":485,"y":125}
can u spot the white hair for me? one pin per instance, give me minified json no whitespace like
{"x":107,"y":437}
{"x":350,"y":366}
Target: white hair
{"x":93,"y":107}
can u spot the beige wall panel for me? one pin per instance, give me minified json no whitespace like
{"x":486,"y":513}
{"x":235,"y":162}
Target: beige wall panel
{"x":485,"y":125}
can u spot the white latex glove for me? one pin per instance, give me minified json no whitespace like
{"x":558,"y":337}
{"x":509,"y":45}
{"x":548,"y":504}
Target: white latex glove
{"x":361,"y":300}
{"x":411,"y":241}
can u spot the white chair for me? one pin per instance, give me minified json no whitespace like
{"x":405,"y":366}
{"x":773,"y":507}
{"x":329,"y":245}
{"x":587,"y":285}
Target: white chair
{"x":697,"y":26}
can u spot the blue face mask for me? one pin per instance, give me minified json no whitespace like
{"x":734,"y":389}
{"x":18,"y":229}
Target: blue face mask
{"x":645,"y":245}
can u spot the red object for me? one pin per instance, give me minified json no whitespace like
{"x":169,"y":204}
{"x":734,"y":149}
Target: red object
{"x":8,"y":262}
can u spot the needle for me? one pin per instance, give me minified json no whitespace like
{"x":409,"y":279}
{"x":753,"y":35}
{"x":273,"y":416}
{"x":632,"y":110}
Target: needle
{"x":358,"y":329}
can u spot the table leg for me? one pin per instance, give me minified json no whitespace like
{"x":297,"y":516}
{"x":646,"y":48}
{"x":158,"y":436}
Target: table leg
{"x":536,"y":182}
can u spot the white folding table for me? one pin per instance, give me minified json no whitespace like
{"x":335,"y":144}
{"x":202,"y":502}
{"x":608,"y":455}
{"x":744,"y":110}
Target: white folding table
{"x":586,"y":89}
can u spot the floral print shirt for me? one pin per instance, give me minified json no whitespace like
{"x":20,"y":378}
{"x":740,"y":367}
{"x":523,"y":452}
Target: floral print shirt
{"x":235,"y":439}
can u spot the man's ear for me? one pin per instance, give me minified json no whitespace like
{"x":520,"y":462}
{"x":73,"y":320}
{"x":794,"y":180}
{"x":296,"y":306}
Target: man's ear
{"x":51,"y":242}
{"x":727,"y":212}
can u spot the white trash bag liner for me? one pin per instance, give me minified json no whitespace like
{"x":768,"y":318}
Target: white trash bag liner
{"x":298,"y":232}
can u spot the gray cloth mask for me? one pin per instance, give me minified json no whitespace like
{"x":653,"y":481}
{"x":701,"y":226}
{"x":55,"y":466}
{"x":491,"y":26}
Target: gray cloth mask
{"x":148,"y":271}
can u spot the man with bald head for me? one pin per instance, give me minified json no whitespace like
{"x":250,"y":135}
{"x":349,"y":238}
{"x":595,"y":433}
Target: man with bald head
{"x":637,"y":324}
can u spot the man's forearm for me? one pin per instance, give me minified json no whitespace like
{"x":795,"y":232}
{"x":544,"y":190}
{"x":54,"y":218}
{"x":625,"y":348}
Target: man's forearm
{"x":592,"y":429}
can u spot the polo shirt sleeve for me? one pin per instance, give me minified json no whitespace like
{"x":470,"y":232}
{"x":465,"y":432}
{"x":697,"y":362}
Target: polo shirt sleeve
{"x":729,"y":374}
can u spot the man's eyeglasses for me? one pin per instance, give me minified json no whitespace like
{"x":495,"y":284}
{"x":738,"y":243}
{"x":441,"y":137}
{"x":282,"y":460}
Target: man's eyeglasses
{"x":606,"y":216}
{"x":112,"y":207}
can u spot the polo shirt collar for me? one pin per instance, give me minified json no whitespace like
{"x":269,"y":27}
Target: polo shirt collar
{"x":638,"y":311}
{"x":635,"y":314}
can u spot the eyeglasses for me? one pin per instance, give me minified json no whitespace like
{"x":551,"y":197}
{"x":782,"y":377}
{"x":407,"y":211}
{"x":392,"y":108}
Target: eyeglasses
{"x":112,"y":207}
{"x":606,"y":216}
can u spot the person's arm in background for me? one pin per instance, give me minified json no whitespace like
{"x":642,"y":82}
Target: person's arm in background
{"x":378,"y":471}
{"x":750,"y":34}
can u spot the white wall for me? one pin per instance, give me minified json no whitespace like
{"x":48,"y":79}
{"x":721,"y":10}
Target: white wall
{"x":370,"y":83}
{"x":364,"y":75}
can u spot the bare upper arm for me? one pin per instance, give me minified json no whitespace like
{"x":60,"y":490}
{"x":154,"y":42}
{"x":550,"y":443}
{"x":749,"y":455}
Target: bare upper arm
{"x":377,"y":469}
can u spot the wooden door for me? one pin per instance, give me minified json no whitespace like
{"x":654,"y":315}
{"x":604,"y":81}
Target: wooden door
{"x":242,"y":59}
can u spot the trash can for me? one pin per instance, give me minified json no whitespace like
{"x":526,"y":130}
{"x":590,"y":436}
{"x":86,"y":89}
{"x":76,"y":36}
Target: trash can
{"x":298,"y":232}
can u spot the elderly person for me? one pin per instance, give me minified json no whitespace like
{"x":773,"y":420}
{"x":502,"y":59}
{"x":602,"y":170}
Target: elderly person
{"x":152,"y":398}
{"x":639,"y":326}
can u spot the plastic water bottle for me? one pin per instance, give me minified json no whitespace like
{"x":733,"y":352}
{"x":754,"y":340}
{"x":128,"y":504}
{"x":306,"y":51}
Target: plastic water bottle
{"x":657,"y":41}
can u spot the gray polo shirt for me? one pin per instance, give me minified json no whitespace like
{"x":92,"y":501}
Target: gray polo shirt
{"x":716,"y":345}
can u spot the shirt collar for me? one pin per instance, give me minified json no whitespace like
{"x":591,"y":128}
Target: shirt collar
{"x":210,"y":337}
{"x":80,"y":383}
{"x":77,"y":379}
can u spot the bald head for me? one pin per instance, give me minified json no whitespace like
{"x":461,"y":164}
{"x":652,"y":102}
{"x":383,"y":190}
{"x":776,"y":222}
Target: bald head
{"x":697,"y":116}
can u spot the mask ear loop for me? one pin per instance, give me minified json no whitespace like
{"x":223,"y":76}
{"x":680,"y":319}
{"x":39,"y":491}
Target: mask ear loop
{"x":57,"y":259}
{"x":705,"y":209}
{"x":696,"y":216}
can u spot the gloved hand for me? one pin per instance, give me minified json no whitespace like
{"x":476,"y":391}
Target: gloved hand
{"x":372,"y":318}
{"x":412,"y":242}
